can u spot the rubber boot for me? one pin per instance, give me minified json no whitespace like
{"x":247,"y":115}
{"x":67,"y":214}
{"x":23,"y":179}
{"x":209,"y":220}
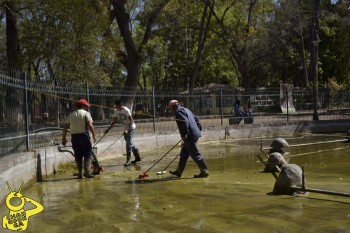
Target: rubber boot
{"x":203,"y":168}
{"x":137,"y":156}
{"x":128,"y":157}
{"x":87,"y":164}
{"x":80,"y":169}
{"x":180,"y":168}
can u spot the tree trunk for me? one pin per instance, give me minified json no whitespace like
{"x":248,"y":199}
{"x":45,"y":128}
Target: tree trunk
{"x":12,"y":39}
{"x":132,"y":59}
{"x":14,"y":97}
{"x":201,"y":41}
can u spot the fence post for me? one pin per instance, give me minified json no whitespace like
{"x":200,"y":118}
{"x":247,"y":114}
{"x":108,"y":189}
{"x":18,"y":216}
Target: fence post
{"x":287,"y":94}
{"x":87,"y":92}
{"x":154,"y":109}
{"x":26,"y":115}
{"x":221,"y":110}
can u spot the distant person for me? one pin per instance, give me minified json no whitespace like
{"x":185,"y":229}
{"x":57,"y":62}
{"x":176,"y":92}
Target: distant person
{"x":248,"y":112}
{"x":237,"y":109}
{"x":124,"y":117}
{"x":45,"y":117}
{"x":238,"y":114}
{"x":248,"y":108}
{"x":80,"y":122}
{"x":190,"y":131}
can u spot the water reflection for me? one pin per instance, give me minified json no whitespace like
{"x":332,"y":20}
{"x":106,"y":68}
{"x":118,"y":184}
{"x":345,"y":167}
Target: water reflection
{"x":233,"y":199}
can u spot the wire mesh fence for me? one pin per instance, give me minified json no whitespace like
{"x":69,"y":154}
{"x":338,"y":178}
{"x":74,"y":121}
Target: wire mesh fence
{"x":32,"y":113}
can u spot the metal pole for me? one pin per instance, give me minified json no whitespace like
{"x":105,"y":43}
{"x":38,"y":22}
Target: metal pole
{"x":221,"y":110}
{"x":321,"y":191}
{"x":304,"y":189}
{"x":314,"y":53}
{"x":287,"y":94}
{"x":87,"y":92}
{"x":154,"y":109}
{"x":26,"y":112}
{"x":312,"y":143}
{"x":273,"y":173}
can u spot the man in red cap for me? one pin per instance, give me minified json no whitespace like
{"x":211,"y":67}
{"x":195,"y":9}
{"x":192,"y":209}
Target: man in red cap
{"x":80,"y":122}
{"x":190,"y":131}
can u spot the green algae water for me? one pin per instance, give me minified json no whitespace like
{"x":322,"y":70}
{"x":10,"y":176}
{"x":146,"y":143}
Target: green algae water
{"x":236,"y":197}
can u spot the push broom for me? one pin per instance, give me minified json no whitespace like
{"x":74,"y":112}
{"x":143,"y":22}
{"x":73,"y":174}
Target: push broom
{"x":96,"y":166}
{"x":164,"y":169}
{"x":145,"y":175}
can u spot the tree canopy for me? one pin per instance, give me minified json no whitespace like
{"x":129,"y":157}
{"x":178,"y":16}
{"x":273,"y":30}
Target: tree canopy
{"x":176,"y":44}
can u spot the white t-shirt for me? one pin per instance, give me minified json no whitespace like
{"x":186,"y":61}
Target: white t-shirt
{"x":123,"y":117}
{"x":78,"y":121}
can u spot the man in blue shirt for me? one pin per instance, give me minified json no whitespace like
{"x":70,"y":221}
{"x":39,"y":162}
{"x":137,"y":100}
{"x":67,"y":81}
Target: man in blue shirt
{"x":190,"y":131}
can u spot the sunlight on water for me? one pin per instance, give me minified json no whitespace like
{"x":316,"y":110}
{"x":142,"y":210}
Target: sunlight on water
{"x":235,"y":198}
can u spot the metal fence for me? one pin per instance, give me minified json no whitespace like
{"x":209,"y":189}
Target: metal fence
{"x":32,"y":113}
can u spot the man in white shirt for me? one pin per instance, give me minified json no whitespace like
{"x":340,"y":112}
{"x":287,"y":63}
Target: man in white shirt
{"x":125,"y":118}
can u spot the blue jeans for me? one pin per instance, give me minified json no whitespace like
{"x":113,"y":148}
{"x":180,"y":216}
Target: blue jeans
{"x":129,"y":136}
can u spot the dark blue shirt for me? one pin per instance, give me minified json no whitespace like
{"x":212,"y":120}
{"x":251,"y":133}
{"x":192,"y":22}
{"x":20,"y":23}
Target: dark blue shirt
{"x":187,"y":123}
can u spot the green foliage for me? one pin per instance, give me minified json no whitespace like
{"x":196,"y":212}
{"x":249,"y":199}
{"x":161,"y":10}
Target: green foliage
{"x":65,"y":37}
{"x":334,"y":45}
{"x":250,"y":43}
{"x":335,"y":87}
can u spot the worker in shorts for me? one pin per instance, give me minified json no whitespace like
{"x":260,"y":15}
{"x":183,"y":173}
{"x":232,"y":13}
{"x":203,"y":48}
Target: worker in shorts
{"x":80,"y":122}
{"x":123,"y":115}
{"x":190,"y":131}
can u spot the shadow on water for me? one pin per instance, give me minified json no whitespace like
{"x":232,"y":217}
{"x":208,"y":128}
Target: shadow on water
{"x":59,"y":180}
{"x":162,"y":179}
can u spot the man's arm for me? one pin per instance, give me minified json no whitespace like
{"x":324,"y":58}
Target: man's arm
{"x":92,"y":130}
{"x":110,"y":127}
{"x":131,"y":120}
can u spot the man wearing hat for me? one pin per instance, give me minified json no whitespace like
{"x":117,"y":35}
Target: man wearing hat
{"x":190,"y":131}
{"x":80,"y":122}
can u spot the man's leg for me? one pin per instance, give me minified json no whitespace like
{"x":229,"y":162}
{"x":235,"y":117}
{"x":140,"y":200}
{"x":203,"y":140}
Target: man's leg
{"x":87,"y":164}
{"x":135,"y":151}
{"x":197,"y":157}
{"x":136,"y":155}
{"x":78,"y":154}
{"x":128,"y":147}
{"x":182,"y":162}
{"x":79,"y":163}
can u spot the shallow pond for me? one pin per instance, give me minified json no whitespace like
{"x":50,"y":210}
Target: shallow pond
{"x":236,"y":197}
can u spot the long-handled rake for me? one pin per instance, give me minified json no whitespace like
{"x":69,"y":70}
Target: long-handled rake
{"x":112,"y":144}
{"x":145,"y":175}
{"x":99,"y":140}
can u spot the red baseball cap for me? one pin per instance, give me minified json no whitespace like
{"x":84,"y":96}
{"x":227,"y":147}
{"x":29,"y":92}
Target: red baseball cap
{"x":83,"y":102}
